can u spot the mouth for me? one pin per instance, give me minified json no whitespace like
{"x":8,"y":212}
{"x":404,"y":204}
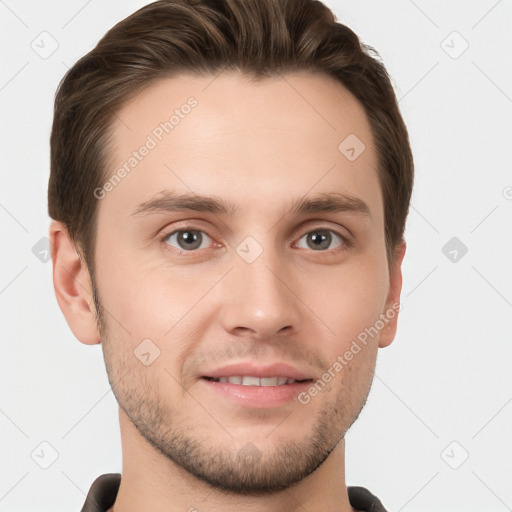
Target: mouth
{"x":251,"y":380}
{"x":251,"y":385}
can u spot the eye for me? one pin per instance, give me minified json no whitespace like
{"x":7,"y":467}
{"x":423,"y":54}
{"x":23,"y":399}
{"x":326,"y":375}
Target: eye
{"x":321,"y":239}
{"x":187,"y":239}
{"x":191,"y":240}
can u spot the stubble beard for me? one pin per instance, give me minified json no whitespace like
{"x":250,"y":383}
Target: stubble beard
{"x":250,"y":471}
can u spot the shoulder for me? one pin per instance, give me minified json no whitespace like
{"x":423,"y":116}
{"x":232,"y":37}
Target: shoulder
{"x":103,"y":493}
{"x":362,"y":499}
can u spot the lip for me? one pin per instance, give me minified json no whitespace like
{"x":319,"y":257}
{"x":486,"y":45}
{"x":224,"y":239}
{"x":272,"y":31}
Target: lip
{"x":257,"y":397}
{"x":258,"y":370}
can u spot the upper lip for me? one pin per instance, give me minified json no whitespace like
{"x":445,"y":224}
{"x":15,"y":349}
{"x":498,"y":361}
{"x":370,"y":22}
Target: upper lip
{"x":259,"y":370}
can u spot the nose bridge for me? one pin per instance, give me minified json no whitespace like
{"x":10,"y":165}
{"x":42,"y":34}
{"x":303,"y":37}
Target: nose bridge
{"x":260,"y":297}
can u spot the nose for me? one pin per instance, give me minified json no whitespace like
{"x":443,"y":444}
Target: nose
{"x":261,"y":301}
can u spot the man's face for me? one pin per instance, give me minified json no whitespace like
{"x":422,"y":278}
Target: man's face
{"x":267,"y":291}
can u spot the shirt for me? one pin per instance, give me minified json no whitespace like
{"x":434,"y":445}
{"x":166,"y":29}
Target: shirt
{"x":103,"y":492}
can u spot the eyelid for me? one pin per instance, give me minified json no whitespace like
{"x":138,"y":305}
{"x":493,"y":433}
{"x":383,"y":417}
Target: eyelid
{"x":324,"y":225}
{"x":186,"y":226}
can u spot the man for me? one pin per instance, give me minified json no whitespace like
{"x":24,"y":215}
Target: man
{"x":229,"y":185}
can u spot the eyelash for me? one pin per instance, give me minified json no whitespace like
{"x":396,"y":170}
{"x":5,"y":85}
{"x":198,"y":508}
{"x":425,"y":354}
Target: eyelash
{"x":345,"y":242}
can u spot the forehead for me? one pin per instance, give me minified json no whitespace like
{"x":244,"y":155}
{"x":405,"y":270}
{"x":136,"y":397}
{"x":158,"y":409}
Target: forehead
{"x":227,"y":135}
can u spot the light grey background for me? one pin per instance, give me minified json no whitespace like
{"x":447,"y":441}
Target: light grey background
{"x":436,"y":431}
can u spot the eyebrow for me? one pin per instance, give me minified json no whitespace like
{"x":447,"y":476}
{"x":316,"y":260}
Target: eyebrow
{"x":168,"y":201}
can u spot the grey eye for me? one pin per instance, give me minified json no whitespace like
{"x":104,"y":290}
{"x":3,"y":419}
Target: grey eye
{"x":321,"y":239}
{"x":188,"y":239}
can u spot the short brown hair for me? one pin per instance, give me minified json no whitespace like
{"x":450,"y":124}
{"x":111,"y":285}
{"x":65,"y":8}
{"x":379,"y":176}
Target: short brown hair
{"x":258,"y":37}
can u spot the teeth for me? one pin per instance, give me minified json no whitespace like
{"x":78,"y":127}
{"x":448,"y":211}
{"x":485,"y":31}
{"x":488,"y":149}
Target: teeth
{"x":251,"y":381}
{"x":248,"y":380}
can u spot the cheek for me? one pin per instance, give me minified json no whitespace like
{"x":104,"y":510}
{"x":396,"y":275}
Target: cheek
{"x":348,"y":300}
{"x":145,"y":301}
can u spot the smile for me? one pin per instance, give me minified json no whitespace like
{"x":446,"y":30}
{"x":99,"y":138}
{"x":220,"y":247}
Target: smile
{"x":248,"y":380}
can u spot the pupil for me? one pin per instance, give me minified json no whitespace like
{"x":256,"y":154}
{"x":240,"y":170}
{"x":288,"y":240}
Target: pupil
{"x":320,"y":239}
{"x":190,"y":238}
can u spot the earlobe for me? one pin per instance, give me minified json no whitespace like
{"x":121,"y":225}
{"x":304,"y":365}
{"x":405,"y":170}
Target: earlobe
{"x":388,"y":333}
{"x":72,"y":285}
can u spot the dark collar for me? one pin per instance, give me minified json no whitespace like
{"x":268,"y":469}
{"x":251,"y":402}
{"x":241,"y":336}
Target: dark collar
{"x":103,"y":493}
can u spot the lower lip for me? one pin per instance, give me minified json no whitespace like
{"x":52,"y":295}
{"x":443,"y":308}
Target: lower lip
{"x":258,"y":396}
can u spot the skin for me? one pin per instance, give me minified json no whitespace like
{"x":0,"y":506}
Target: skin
{"x":259,"y":145}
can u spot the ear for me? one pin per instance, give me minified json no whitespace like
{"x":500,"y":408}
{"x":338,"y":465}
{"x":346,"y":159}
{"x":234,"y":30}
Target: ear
{"x":388,"y":333}
{"x":73,"y":286}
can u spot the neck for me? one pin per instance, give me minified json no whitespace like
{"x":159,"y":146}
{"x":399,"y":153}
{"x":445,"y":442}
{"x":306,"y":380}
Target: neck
{"x":150,"y":481}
